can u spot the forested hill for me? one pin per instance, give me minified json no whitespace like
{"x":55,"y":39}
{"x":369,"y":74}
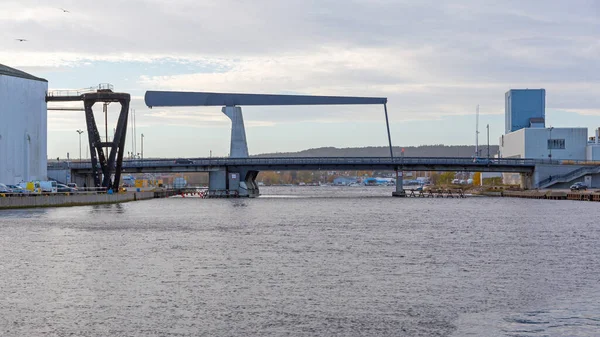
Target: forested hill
{"x":382,"y":151}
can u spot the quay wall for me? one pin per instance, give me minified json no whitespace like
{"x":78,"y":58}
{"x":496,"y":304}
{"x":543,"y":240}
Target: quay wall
{"x":57,"y":200}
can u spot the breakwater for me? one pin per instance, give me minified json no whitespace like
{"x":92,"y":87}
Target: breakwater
{"x":56,"y":200}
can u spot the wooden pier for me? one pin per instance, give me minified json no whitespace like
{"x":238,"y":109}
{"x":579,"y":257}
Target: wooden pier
{"x":439,"y":193}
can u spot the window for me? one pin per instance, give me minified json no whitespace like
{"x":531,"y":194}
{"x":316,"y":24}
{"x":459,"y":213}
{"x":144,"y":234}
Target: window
{"x":556,"y":144}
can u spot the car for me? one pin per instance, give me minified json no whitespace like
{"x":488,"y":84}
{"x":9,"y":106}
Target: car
{"x":72,"y":185}
{"x":16,"y":189}
{"x":183,"y":161}
{"x":478,"y":160}
{"x":61,"y":188}
{"x":579,"y":186}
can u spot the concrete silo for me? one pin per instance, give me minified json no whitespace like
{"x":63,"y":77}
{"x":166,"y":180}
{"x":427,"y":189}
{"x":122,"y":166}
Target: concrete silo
{"x":23,"y":126}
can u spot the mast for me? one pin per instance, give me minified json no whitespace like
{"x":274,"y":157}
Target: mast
{"x":477,"y":132}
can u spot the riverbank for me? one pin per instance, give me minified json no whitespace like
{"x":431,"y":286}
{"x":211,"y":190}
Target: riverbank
{"x":546,"y":194}
{"x":65,"y":200}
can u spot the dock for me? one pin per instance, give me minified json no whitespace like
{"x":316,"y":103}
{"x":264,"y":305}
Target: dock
{"x":551,"y":195}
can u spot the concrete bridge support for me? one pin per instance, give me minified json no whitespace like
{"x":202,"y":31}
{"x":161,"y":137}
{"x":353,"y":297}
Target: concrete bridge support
{"x":526,"y":181}
{"x":399,"y":185}
{"x":248,"y":185}
{"x":237,"y":181}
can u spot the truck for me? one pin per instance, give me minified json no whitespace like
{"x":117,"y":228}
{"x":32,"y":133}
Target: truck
{"x":31,"y":186}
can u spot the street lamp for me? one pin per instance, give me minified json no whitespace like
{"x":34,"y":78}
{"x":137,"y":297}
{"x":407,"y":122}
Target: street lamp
{"x":79,"y":131}
{"x":142,"y":146}
{"x":488,"y":139}
{"x":550,"y":144}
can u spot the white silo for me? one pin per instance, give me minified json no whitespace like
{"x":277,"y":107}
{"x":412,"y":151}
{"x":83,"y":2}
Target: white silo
{"x":23,"y":126}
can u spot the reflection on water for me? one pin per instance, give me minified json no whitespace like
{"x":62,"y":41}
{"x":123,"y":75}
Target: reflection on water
{"x":107,"y":208}
{"x":329,"y":261}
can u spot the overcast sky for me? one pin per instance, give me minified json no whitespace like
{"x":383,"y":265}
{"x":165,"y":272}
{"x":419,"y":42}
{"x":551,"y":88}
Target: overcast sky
{"x":434,"y":60}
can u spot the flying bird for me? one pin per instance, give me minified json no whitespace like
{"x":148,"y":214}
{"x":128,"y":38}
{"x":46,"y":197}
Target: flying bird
{"x":21,"y":40}
{"x":64,"y":10}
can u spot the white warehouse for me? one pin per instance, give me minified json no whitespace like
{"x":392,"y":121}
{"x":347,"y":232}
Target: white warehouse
{"x":23,"y":126}
{"x":545,"y":143}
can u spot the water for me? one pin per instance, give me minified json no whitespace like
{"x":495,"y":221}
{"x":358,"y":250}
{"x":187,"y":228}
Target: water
{"x":303,"y":261}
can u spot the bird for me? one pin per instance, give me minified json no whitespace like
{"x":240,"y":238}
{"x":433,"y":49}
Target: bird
{"x":64,"y":10}
{"x":21,"y":40}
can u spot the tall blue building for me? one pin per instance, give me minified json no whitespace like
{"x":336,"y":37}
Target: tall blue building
{"x":525,"y":108}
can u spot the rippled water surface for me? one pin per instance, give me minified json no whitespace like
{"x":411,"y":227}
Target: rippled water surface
{"x":311,"y":261}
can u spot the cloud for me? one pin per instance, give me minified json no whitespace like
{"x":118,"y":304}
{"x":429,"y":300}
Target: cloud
{"x":432,"y":59}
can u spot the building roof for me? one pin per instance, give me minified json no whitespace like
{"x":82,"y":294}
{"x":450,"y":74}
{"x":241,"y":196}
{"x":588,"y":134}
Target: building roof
{"x":8,"y":71}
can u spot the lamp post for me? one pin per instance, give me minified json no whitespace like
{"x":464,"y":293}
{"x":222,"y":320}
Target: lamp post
{"x":79,"y":131}
{"x":142,"y":146}
{"x":488,"y":141}
{"x":550,"y":144}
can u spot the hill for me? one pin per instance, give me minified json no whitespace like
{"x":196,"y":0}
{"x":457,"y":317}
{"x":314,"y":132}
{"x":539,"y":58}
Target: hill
{"x":383,"y":151}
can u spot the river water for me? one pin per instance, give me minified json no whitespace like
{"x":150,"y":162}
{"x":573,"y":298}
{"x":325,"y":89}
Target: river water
{"x":303,"y":261}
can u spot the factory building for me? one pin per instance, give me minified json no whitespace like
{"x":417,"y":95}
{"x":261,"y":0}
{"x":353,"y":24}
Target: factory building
{"x":528,"y":137}
{"x":545,"y":143}
{"x":23,"y":127}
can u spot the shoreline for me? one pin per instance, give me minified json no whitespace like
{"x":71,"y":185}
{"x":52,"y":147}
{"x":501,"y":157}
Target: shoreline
{"x":545,"y":194}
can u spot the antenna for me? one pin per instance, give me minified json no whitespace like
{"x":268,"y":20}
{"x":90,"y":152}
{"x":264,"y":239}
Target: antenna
{"x":477,"y":132}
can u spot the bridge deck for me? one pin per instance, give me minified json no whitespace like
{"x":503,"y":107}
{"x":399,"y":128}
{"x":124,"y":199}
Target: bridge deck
{"x":321,"y":163}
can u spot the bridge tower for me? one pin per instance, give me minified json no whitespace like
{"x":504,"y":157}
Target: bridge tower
{"x":241,"y":180}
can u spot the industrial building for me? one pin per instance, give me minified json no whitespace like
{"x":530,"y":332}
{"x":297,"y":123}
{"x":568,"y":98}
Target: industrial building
{"x":528,"y":137}
{"x":23,"y":130}
{"x":545,"y":143}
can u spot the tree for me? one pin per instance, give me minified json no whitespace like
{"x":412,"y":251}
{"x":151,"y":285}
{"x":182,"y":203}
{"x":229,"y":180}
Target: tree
{"x":446,"y":178}
{"x":305,"y":176}
{"x":434,"y":178}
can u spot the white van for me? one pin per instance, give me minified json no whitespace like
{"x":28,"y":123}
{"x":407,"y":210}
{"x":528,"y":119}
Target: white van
{"x":49,"y":186}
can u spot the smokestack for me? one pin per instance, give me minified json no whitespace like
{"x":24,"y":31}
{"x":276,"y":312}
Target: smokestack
{"x":597,"y":135}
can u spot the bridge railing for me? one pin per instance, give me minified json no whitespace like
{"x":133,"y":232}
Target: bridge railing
{"x":561,"y":178}
{"x":456,"y":161}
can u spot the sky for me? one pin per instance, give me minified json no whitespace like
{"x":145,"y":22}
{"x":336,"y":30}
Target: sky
{"x":435,"y":61}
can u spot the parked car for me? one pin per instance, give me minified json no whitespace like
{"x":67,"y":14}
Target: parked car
{"x":4,"y":189}
{"x":72,"y":185}
{"x":183,"y":161}
{"x":579,"y":186}
{"x":61,"y":188}
{"x":16,"y":189}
